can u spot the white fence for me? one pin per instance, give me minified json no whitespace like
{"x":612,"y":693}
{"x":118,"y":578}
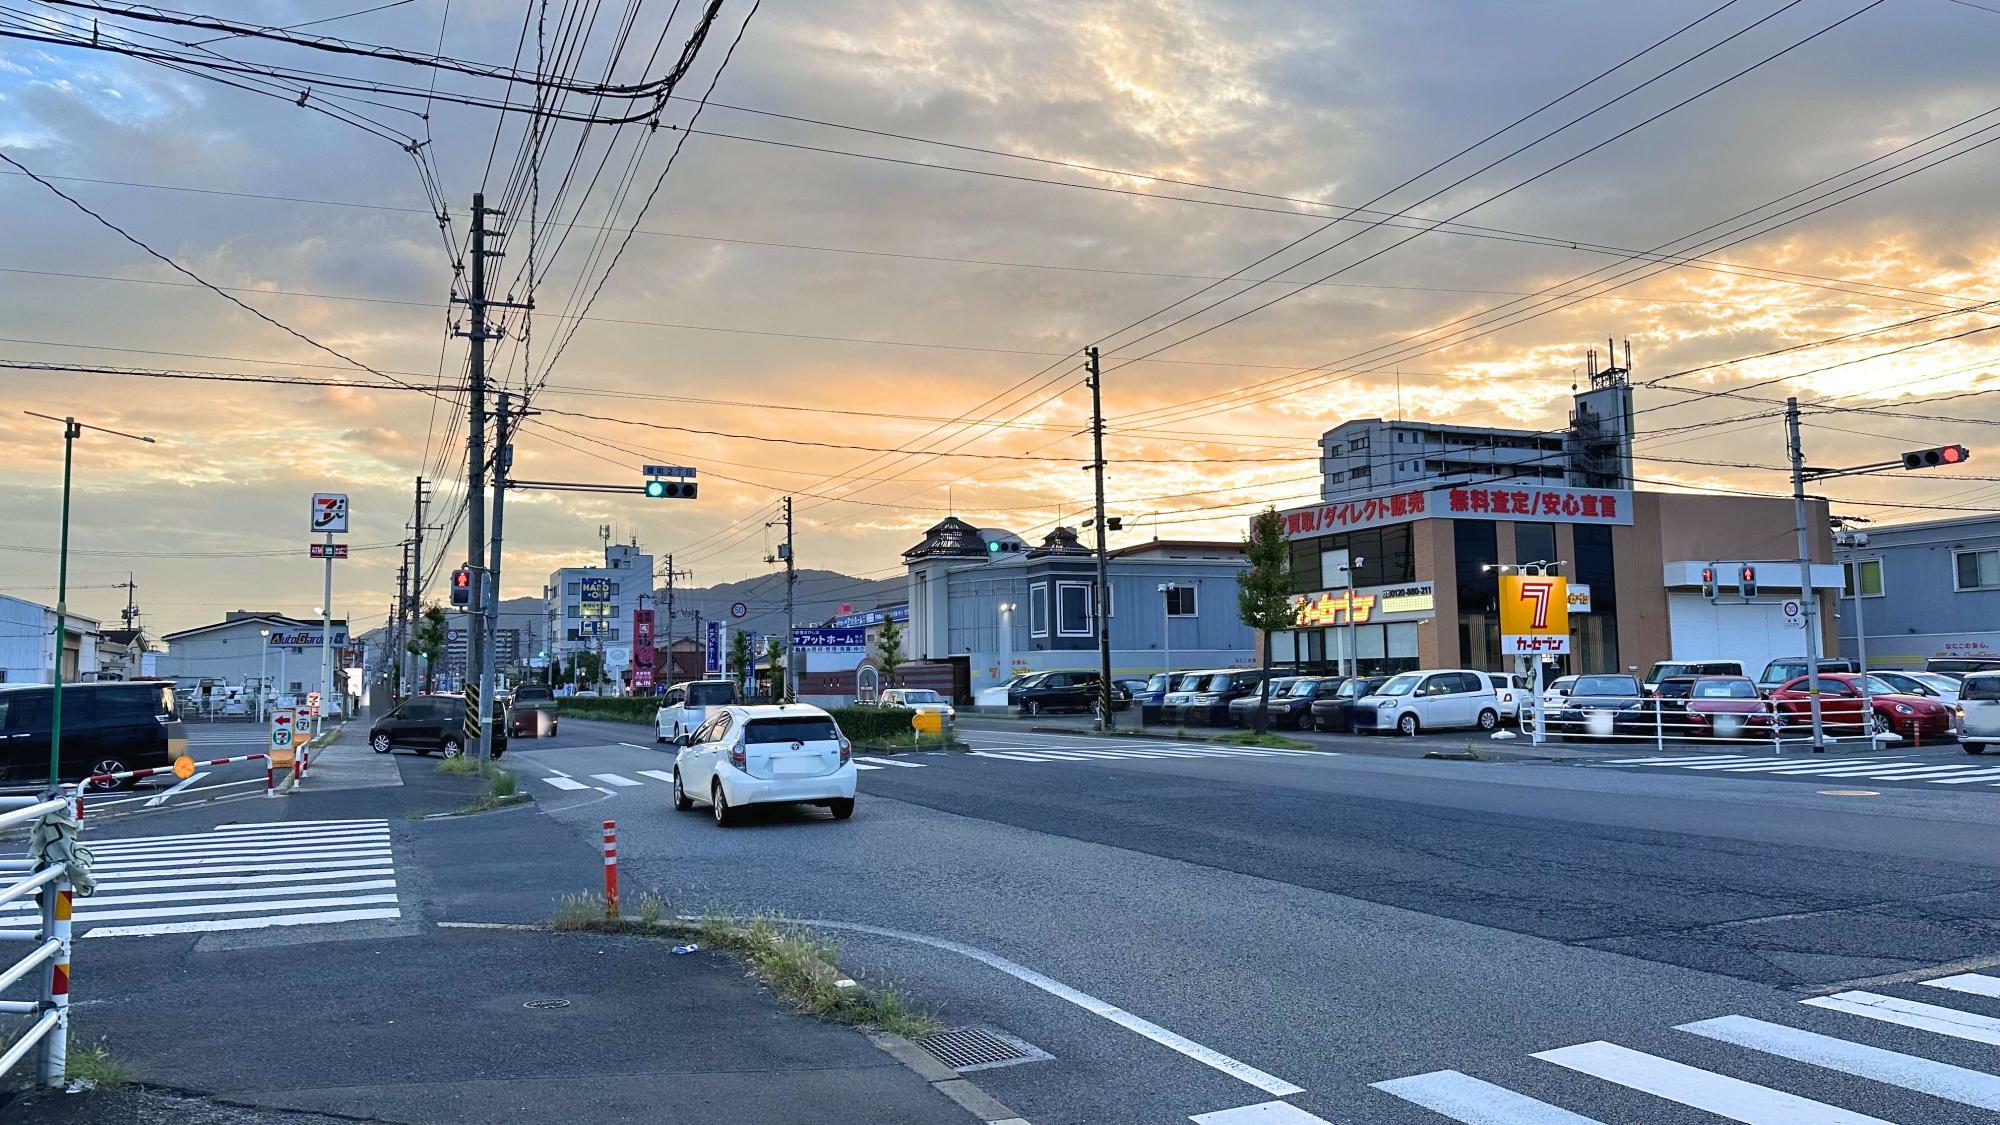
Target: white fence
{"x":47,"y":961}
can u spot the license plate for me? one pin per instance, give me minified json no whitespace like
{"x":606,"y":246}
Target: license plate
{"x":796,"y":765}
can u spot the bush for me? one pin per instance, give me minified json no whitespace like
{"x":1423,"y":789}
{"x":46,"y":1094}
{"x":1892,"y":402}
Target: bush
{"x":613,"y":708}
{"x":873,"y":724}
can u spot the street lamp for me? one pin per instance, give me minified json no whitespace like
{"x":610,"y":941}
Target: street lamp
{"x":263,"y":673}
{"x":1006,"y":642}
{"x":1353,"y":650}
{"x":72,"y":430}
{"x":1167,"y":630}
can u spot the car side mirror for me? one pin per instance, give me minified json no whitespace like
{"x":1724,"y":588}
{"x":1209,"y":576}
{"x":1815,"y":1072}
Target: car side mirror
{"x":683,"y":740}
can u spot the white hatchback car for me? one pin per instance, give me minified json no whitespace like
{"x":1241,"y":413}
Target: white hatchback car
{"x":1419,"y":701}
{"x":779,"y":754}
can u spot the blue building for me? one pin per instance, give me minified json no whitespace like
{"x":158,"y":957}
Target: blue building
{"x":1927,"y":591}
{"x":1007,"y":607}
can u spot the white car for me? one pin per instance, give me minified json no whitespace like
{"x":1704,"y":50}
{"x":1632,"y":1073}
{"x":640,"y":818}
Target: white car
{"x":776,"y":754}
{"x":1508,"y":690}
{"x":686,"y":706}
{"x":1418,"y":701}
{"x":919,"y":699}
{"x":1931,"y":685}
{"x":1557,"y":692}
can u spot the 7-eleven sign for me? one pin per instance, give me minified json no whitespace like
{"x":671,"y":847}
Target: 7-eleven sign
{"x":1534,"y":615}
{"x":329,"y":511}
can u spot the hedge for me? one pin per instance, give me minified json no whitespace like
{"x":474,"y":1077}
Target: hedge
{"x":873,"y":724}
{"x":862,"y":724}
{"x":615,"y":708}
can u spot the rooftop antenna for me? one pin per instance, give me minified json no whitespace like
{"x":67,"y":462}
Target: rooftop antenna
{"x":1399,"y":393}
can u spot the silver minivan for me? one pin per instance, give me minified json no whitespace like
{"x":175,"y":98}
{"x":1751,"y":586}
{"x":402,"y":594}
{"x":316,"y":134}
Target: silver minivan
{"x":1979,"y":711}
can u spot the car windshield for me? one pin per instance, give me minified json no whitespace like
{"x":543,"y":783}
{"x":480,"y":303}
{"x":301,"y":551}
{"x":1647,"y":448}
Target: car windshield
{"x":1782,"y":670}
{"x":1159,"y":682}
{"x":1401,"y":685}
{"x":804,"y":728}
{"x":1190,"y":682}
{"x":1218,"y":682}
{"x":921,"y":696}
{"x":1606,"y":685}
{"x":1876,"y":685}
{"x":1662,"y":671}
{"x":1676,"y":688}
{"x":711,"y":695}
{"x":1301,"y":687}
{"x":1725,"y":689}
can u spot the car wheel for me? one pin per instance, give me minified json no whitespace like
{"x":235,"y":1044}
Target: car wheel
{"x":1407,"y":726}
{"x":1975,"y":748}
{"x":452,"y":748}
{"x":682,"y":801}
{"x":658,"y":738}
{"x":380,"y":744}
{"x":841,"y":807}
{"x":1488,"y":720}
{"x":724,"y":815}
{"x":111,"y":765}
{"x":1877,"y":724}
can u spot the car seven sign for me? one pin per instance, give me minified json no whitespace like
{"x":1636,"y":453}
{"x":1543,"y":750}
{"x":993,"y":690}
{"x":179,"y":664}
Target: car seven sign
{"x":329,"y":511}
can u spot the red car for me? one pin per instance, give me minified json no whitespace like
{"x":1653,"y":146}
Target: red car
{"x":1724,"y":707}
{"x":1912,"y":716}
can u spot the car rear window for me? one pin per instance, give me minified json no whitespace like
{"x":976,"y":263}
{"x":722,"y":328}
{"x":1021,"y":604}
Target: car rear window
{"x":528,"y":694}
{"x":1606,"y":685}
{"x":1979,"y":687}
{"x":1676,"y":689}
{"x":1725,"y":689}
{"x":805,"y":728}
{"x":711,"y":695}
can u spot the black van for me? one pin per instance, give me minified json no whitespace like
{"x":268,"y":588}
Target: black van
{"x":106,"y":728}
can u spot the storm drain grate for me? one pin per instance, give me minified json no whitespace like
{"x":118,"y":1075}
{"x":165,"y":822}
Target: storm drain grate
{"x":979,"y":1048}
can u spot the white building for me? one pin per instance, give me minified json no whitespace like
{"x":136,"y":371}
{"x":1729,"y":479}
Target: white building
{"x":590,"y":607}
{"x":247,"y":649}
{"x":28,"y":646}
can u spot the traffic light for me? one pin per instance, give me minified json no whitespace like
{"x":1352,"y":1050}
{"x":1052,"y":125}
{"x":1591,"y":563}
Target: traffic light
{"x":1932,"y":458}
{"x":658,"y":489}
{"x":1708,"y":582}
{"x":1746,"y":580}
{"x":461,"y":587}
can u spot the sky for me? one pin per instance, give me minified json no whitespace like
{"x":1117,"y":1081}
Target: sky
{"x":864,"y":282}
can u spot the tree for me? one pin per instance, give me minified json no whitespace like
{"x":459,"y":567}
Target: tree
{"x":739,"y":655}
{"x":588,"y":667}
{"x":427,"y":643}
{"x":1264,"y":593}
{"x":774,"y":655}
{"x":556,"y":671}
{"x":889,"y":651}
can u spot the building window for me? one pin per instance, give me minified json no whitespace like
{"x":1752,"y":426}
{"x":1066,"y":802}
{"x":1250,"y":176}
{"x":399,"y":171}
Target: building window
{"x":574,"y":611}
{"x":575,"y":588}
{"x":1869,"y":572}
{"x":1073,"y":609}
{"x":1358,"y":444}
{"x":1038,"y":610}
{"x":1181,"y":601}
{"x":614,"y":589}
{"x":1978,"y":570}
{"x":572,"y":635}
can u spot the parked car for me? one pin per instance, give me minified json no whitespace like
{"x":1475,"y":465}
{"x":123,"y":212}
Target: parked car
{"x":1021,"y":684}
{"x":1555,"y":691}
{"x":1703,"y":667}
{"x":433,"y":724}
{"x":686,"y":705}
{"x":1185,"y":685}
{"x":1332,"y":713}
{"x":1068,"y":691}
{"x":1912,"y":716}
{"x":1962,"y":665}
{"x":1507,"y":688}
{"x":1787,"y":668}
{"x":1411,"y":702}
{"x":1208,"y":704}
{"x":919,"y":699}
{"x":1240,"y":708}
{"x":1290,"y":702}
{"x":534,"y":712}
{"x":777,"y":754}
{"x":1153,"y":696}
{"x":106,"y":728}
{"x":1978,"y":711}
{"x":1935,"y":685}
{"x":1726,"y":707}
{"x":1602,"y":705}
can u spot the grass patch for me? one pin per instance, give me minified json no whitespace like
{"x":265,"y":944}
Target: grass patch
{"x":907,"y":744}
{"x":95,"y":1064}
{"x":503,"y":786}
{"x":463,"y":764}
{"x":1274,"y":741}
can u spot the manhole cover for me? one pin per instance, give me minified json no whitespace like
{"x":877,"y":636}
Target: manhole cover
{"x":544,"y":1004}
{"x":979,"y":1048}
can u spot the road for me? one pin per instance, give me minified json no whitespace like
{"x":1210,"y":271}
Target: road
{"x":1357,"y":933}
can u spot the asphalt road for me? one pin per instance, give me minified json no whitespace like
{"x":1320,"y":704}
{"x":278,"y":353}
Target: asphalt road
{"x":1190,"y":931}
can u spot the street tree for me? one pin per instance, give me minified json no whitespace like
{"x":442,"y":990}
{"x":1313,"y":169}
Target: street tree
{"x":588,"y":668}
{"x":427,"y":643}
{"x":739,"y":655}
{"x":1264,"y":593}
{"x":774,"y":655}
{"x":889,"y":652}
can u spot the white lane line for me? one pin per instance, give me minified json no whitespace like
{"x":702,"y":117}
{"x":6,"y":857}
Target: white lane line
{"x":314,"y":919}
{"x":261,"y":831}
{"x":1008,"y":757}
{"x":230,"y":907}
{"x":1677,"y":760}
{"x":207,"y":867}
{"x":1462,"y":1097}
{"x":619,"y":780}
{"x":1978,"y":984}
{"x":889,"y":762}
{"x":119,"y":885}
{"x":551,"y":769}
{"x":635,"y":745}
{"x":1241,"y":1071}
{"x":1910,"y":1013}
{"x":1263,"y":1113}
{"x":657,"y":775}
{"x":1987,"y":774}
{"x":865,"y":766}
{"x":111,"y":850}
{"x":1898,"y":773}
{"x":1060,"y":756}
{"x":565,"y":783}
{"x":1940,"y":1080}
{"x":178,"y":786}
{"x":606,"y":792}
{"x":1703,"y":1089}
{"x":295,"y":824}
{"x":227,"y":851}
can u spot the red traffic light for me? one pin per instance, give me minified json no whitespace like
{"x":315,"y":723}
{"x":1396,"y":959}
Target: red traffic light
{"x":1932,"y":458}
{"x":1708,"y":574}
{"x":1749,"y":574}
{"x":1952,"y":454}
{"x":461,"y":577}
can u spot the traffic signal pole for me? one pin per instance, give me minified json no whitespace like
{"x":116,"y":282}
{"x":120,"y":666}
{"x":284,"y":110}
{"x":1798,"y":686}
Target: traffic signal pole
{"x":1808,"y":600}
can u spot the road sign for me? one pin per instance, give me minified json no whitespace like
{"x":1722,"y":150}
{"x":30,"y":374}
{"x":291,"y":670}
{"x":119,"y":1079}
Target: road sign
{"x":284,"y":721}
{"x":829,"y":639}
{"x":1795,"y":615}
{"x":329,"y":511}
{"x":739,"y":610}
{"x":712,"y":647}
{"x":312,"y":705}
{"x":321,"y":550}
{"x":667,"y":471}
{"x":1534,"y":614}
{"x":183,"y":767}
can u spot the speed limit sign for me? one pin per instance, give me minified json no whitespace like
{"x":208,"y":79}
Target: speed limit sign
{"x":1795,"y":615}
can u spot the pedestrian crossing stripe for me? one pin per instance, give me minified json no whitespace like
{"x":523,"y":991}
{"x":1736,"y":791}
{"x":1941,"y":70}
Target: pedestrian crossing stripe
{"x":1462,"y":1097}
{"x":1877,"y":769}
{"x":235,"y":877}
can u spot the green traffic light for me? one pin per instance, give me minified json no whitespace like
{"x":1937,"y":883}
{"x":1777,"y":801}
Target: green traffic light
{"x":656,"y":488}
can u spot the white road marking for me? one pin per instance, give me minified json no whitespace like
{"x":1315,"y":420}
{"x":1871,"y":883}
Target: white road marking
{"x":1986,"y":774}
{"x":1910,"y":1013}
{"x":1677,"y":760}
{"x":606,"y":792}
{"x":315,"y":919}
{"x":1009,"y":757}
{"x":1940,"y":1080}
{"x":1978,"y":984}
{"x":82,"y":915}
{"x":1924,"y":773}
{"x":865,"y":766}
{"x":97,"y":902}
{"x":207,"y":867}
{"x":1462,"y":1097}
{"x":114,"y":883}
{"x":262,"y":825}
{"x":1808,"y":767}
{"x":242,"y":851}
{"x":273,"y":830}
{"x":565,"y":783}
{"x":889,"y":762}
{"x":636,"y":745}
{"x":619,"y":780}
{"x":1719,"y":1094}
{"x":178,"y":786}
{"x":211,"y":864}
{"x":552,"y":770}
{"x":182,"y":845}
{"x":1242,"y":1071}
{"x":657,"y":775}
{"x":1264,"y":1113}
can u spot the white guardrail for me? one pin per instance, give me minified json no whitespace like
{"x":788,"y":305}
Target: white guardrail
{"x":47,"y":963}
{"x":1736,"y":719}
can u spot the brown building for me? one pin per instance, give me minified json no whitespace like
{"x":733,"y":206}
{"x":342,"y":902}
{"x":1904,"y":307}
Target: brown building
{"x":1410,"y":579}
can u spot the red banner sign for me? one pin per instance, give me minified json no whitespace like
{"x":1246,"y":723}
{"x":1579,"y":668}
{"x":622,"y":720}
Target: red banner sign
{"x":319,"y":550}
{"x":642,"y":648}
{"x":1529,"y":504}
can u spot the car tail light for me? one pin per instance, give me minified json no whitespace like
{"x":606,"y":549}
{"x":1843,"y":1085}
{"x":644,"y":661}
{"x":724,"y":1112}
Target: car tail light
{"x":737,"y":757}
{"x":846,"y":749}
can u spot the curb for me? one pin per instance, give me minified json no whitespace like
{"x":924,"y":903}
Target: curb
{"x":1211,"y":740}
{"x":945,"y":1080}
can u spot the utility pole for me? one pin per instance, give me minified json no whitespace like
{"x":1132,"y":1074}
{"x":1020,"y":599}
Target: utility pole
{"x":503,"y":436}
{"x":411,"y":608}
{"x":1808,"y":600}
{"x":1101,"y":597}
{"x":131,"y":614}
{"x":791,"y":626}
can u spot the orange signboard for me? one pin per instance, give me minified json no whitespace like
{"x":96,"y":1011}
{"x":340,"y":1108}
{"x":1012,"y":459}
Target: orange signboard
{"x":1534,"y":614}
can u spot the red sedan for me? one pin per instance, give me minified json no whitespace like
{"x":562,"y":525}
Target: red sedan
{"x":1912,"y":716}
{"x":1726,"y":707}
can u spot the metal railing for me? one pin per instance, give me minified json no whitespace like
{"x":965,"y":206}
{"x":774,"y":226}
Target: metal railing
{"x":1776,"y":723}
{"x":48,"y":1014}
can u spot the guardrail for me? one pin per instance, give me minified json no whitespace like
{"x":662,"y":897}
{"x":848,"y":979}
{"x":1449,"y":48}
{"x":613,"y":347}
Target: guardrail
{"x":1735,"y":719}
{"x":48,"y":1014}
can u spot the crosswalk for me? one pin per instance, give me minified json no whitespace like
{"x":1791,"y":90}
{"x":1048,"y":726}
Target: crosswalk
{"x":1759,"y":1046}
{"x":236,"y":877}
{"x":613,"y":782}
{"x":1868,"y":768}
